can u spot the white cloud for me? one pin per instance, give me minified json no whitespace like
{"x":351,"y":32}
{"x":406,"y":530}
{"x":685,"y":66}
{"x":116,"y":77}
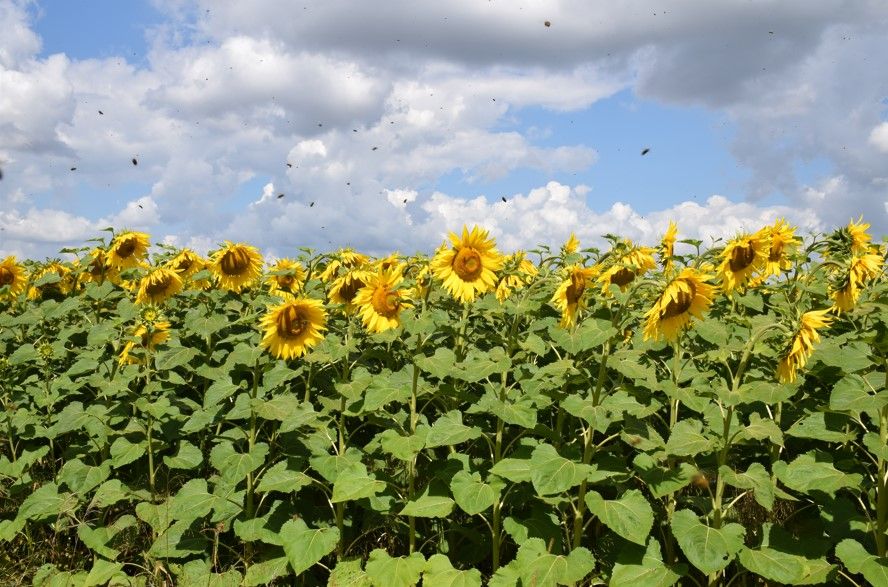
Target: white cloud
{"x":879,"y":137}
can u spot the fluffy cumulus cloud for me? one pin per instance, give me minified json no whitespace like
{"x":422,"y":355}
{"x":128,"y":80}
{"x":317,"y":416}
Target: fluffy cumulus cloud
{"x":356,"y":111}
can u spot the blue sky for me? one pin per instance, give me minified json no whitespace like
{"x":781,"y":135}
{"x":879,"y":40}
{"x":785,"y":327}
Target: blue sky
{"x":744,"y":110}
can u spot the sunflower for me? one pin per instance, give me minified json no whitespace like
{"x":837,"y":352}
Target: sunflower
{"x":783,"y":244}
{"x":666,"y":249}
{"x":12,"y":275}
{"x":686,"y":296}
{"x":128,"y":250}
{"x":744,"y":256}
{"x":387,"y":263}
{"x":518,"y":272}
{"x":293,"y":327}
{"x":861,"y":269}
{"x":626,"y":262}
{"x":345,"y":287}
{"x":287,"y":276}
{"x":55,"y":289}
{"x":380,"y":301}
{"x":860,"y":239}
{"x":468,"y":267}
{"x":422,"y":282}
{"x":568,"y":298}
{"x":571,"y":246}
{"x":149,"y":334}
{"x":186,"y":264}
{"x":97,"y":269}
{"x":158,"y":286}
{"x":236,"y":266}
{"x":799,"y":349}
{"x":346,"y":259}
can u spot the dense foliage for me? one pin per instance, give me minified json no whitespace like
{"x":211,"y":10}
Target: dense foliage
{"x":630,"y":416}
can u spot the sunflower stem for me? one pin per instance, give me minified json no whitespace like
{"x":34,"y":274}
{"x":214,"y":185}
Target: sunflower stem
{"x":251,"y":442}
{"x":411,"y":468}
{"x":882,"y":480}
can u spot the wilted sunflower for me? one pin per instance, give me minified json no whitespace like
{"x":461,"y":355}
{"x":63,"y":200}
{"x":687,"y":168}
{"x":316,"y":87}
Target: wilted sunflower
{"x":287,"y":276}
{"x":686,"y":296}
{"x":386,"y":263}
{"x":568,"y":298}
{"x":518,"y":271}
{"x":158,"y":286}
{"x":468,"y":266}
{"x":860,"y":239}
{"x":150,"y":334}
{"x":345,"y":259}
{"x":799,"y":349}
{"x":97,"y":269}
{"x":55,"y":289}
{"x":345,"y":287}
{"x":13,"y":275}
{"x":186,"y":264}
{"x":236,"y":266}
{"x":625,"y":262}
{"x":666,"y":249}
{"x":861,"y":269}
{"x":743,"y":257}
{"x":380,"y":302}
{"x":128,"y":250}
{"x":783,"y":242}
{"x":293,"y":327}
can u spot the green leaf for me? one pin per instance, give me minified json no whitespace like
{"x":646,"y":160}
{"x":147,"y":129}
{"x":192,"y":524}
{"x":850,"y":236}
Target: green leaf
{"x":174,"y":357}
{"x":124,"y":452}
{"x":760,"y":428}
{"x":428,"y":506}
{"x":637,"y":565}
{"x":46,"y":502}
{"x":354,"y":483}
{"x":280,"y":407}
{"x":630,"y":516}
{"x":849,"y":357}
{"x":515,"y":470}
{"x":660,"y":479}
{"x":687,"y":439}
{"x":178,"y":541}
{"x":401,"y":447}
{"x":854,"y":556}
{"x":109,"y":493}
{"x":449,"y":430}
{"x":188,"y":457}
{"x":281,"y":478}
{"x":709,"y":549}
{"x":813,"y":473}
{"x":551,"y":473}
{"x":536,"y":566}
{"x":590,"y":334}
{"x":767,"y":392}
{"x":192,"y":501}
{"x":234,"y":465}
{"x":349,"y":573}
{"x":439,"y":572}
{"x":82,"y":478}
{"x":854,"y":393}
{"x":387,"y":388}
{"x":387,"y":571}
{"x":23,"y":354}
{"x":830,"y":427}
{"x":155,"y":515}
{"x":438,"y":365}
{"x":306,"y":546}
{"x":218,"y":391}
{"x":772,"y":564}
{"x":756,"y":478}
{"x":472,"y":495}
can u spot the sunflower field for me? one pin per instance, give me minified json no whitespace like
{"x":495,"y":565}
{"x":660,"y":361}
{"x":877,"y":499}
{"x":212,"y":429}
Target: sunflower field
{"x":626,"y":416}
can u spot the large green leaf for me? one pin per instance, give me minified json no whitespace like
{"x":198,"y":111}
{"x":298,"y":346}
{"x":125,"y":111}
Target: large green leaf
{"x":709,"y":549}
{"x":46,"y":502}
{"x":687,"y":439}
{"x":387,"y":571}
{"x":755,"y":478}
{"x":472,"y":495}
{"x":858,"y":560}
{"x":812,"y":472}
{"x":192,"y":501}
{"x":428,"y":505}
{"x":280,"y":477}
{"x":304,"y":546}
{"x":551,"y":473}
{"x":449,"y":430}
{"x":660,"y":479}
{"x":536,"y":566}
{"x":856,"y":393}
{"x":439,"y":572}
{"x":349,"y":573}
{"x":188,"y":457}
{"x":630,"y":516}
{"x":355,"y":483}
{"x":637,"y":565}
{"x":234,"y":465}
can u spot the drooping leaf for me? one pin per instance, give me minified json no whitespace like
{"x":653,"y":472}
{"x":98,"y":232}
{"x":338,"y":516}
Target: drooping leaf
{"x":630,"y":516}
{"x":707,"y":548}
{"x":306,"y":546}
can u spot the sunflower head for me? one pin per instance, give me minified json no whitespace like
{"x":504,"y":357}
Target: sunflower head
{"x":345,"y":287}
{"x":287,"y":276}
{"x":186,"y":264}
{"x":624,"y":263}
{"x":236,"y":266}
{"x":569,"y":298}
{"x":56,"y":287}
{"x":343,"y":260}
{"x":97,"y":268}
{"x":158,"y":286}
{"x":847,"y":284}
{"x":468,"y":266}
{"x":128,"y":250}
{"x":799,"y":348}
{"x":380,"y":302}
{"x":571,"y":246}
{"x":685,"y":297}
{"x":147,"y":335}
{"x":291,"y":328}
{"x":518,"y":271}
{"x":12,"y":279}
{"x":783,"y":243}
{"x":743,"y":257}
{"x":666,"y":250}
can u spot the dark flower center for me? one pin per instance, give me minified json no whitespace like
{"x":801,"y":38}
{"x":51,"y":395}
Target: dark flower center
{"x":680,"y":304}
{"x":291,"y":322}
{"x":741,"y":258}
{"x":467,"y":264}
